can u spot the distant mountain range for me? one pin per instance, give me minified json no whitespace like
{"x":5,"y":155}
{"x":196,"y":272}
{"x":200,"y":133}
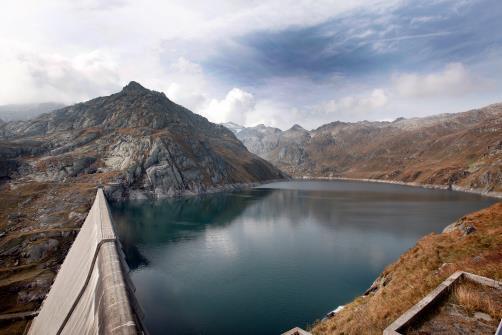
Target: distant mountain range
{"x":461,"y":149}
{"x":16,"y":112}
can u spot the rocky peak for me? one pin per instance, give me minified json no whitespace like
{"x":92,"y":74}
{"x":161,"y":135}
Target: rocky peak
{"x":133,"y":107}
{"x":297,"y":127}
{"x":145,"y":141}
{"x":134,"y":87}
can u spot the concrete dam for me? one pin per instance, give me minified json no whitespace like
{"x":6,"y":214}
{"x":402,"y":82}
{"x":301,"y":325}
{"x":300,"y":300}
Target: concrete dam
{"x":92,"y":293}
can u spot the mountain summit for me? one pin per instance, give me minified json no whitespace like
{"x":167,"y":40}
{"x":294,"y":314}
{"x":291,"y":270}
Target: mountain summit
{"x":137,"y":138}
{"x":296,"y":127}
{"x":134,"y":86}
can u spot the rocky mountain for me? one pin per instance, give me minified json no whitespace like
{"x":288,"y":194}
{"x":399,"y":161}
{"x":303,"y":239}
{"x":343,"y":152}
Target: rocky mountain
{"x":16,"y":112}
{"x":137,"y":143}
{"x":151,"y":145}
{"x":260,"y":139}
{"x":457,"y":150}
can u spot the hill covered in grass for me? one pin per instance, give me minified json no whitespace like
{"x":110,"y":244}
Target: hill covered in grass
{"x":472,"y":244}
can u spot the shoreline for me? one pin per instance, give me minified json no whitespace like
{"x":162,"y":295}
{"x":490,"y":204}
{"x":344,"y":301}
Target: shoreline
{"x":116,"y":192}
{"x":497,"y":195}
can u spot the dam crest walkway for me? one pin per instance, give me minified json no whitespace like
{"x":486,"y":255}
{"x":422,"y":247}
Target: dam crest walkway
{"x":92,"y":293}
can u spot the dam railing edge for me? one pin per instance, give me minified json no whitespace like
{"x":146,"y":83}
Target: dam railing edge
{"x":92,"y":292}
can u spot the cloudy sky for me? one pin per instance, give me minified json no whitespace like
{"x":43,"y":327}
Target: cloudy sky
{"x":277,"y":62}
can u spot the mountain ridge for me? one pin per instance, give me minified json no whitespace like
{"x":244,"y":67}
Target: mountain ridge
{"x":461,"y":150}
{"x":146,"y":130}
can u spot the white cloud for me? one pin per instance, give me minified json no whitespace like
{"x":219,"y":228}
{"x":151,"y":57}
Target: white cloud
{"x":30,"y":77}
{"x":222,"y":18}
{"x":99,"y":4}
{"x":90,"y":47}
{"x":183,"y":65}
{"x":241,"y":107}
{"x":353,"y":108}
{"x":70,"y":51}
{"x":184,"y":82}
{"x":187,"y":97}
{"x":274,"y":114}
{"x":235,"y":107}
{"x":453,"y":80}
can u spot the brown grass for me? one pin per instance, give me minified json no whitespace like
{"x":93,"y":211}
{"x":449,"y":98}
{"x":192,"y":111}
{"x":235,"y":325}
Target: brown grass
{"x":421,"y":269}
{"x":477,"y":299}
{"x":467,"y":156}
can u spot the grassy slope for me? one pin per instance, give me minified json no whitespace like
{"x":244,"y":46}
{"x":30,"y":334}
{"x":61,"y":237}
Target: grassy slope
{"x":421,"y":269}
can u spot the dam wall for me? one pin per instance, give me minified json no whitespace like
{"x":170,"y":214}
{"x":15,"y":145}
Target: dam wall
{"x":92,"y":293}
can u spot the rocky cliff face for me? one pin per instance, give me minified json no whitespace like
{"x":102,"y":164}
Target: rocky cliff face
{"x":151,"y":145}
{"x":462,"y":149}
{"x":260,"y":139}
{"x":283,"y":148}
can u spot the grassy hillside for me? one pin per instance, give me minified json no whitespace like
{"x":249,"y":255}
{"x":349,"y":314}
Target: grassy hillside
{"x":421,"y":269}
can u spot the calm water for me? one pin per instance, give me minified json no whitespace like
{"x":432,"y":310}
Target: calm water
{"x":264,"y":260}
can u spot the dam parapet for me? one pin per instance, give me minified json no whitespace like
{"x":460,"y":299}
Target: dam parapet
{"x":92,"y":293}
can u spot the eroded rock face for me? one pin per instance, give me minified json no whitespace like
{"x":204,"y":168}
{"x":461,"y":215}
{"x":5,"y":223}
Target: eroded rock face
{"x":283,"y":148}
{"x":260,"y":139}
{"x":38,"y":251}
{"x":147,"y":142}
{"x":462,"y":225}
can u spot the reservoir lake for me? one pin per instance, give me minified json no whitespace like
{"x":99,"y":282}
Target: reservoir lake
{"x":266,"y":259}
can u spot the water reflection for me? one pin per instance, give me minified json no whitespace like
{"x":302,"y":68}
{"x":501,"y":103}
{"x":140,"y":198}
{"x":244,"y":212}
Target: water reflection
{"x":172,"y":220}
{"x":266,"y":259}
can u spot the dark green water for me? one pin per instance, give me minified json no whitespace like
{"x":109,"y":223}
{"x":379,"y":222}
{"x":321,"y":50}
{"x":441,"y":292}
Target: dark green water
{"x":264,"y":260}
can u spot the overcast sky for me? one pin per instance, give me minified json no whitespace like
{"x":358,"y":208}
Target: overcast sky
{"x":276,"y":62}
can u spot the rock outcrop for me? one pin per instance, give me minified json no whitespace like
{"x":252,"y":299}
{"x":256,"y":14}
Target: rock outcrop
{"x":285,"y":149}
